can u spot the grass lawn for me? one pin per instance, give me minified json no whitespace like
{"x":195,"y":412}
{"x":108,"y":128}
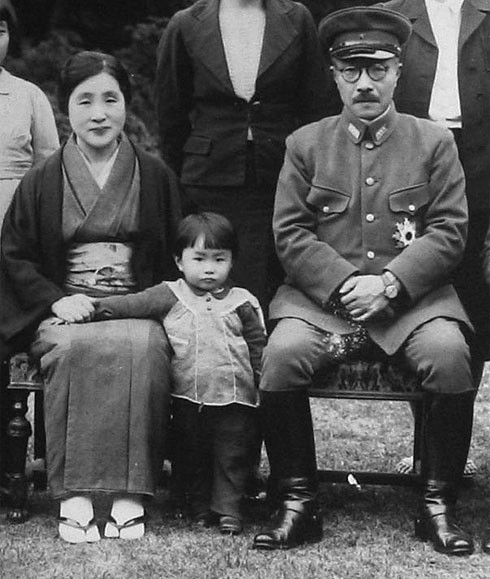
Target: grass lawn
{"x":368,"y":532}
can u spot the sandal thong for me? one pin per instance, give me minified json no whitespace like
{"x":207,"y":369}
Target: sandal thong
{"x":74,"y":532}
{"x":130,"y":529}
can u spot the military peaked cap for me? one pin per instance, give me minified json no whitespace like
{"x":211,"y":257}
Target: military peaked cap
{"x":364,"y":32}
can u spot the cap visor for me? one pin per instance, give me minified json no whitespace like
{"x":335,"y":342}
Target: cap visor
{"x":377,"y":55}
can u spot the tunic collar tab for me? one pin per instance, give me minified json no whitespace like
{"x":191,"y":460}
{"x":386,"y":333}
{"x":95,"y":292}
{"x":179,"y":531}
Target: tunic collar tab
{"x":382,"y":127}
{"x":355,"y":132}
{"x":377,"y":131}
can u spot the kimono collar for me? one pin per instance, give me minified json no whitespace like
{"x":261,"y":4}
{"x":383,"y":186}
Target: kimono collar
{"x":376,"y":131}
{"x":87,"y":208}
{"x":81,"y":179}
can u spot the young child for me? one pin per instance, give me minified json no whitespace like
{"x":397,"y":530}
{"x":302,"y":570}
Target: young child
{"x":217,"y":335}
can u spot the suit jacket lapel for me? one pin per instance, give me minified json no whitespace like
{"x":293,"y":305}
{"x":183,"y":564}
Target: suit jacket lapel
{"x":279,"y":33}
{"x":417,"y":13}
{"x":472,"y":14}
{"x":208,"y":43}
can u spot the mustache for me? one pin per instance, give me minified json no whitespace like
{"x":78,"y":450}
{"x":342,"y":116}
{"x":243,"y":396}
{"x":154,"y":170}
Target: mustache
{"x":367,"y":98}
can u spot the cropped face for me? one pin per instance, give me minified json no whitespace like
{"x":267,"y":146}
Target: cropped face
{"x":366,"y":86}
{"x":4,"y":40}
{"x":205,"y":269}
{"x":97,"y":113}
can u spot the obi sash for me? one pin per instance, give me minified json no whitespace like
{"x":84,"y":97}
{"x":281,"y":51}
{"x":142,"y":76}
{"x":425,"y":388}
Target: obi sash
{"x":100,"y":224}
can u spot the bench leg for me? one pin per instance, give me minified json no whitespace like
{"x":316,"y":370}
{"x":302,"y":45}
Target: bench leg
{"x":39,"y":476}
{"x":18,"y":432}
{"x":4,"y":416}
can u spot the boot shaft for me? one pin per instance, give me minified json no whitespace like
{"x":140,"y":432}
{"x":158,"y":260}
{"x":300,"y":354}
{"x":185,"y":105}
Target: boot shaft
{"x":288,"y":433}
{"x":447,"y":437}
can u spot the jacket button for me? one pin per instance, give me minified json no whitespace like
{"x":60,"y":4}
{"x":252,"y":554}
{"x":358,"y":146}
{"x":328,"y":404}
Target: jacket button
{"x":369,"y":181}
{"x":411,"y":207}
{"x":370,"y":217}
{"x":326,"y":209}
{"x":369,"y":145}
{"x":371,"y":254}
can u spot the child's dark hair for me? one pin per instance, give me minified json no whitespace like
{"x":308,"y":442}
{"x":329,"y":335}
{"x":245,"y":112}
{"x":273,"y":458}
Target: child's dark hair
{"x":216,"y":229}
{"x":86,"y":64}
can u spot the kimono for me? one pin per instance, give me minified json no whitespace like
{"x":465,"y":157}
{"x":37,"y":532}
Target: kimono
{"x":106,"y":385}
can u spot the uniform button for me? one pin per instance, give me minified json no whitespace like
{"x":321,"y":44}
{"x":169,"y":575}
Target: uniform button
{"x":369,"y":145}
{"x":208,"y":299}
{"x":209,"y":308}
{"x":369,"y":181}
{"x":370,"y":217}
{"x":326,"y":209}
{"x":371,"y":254}
{"x":411,"y":207}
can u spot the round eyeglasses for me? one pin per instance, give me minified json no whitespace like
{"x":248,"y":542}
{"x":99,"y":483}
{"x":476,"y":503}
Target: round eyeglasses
{"x":351,"y":73}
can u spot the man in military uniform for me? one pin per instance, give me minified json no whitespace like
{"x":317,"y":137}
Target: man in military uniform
{"x":370,"y":221}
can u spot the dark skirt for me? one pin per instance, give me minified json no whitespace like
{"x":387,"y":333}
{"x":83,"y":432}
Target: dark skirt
{"x":250,"y":209}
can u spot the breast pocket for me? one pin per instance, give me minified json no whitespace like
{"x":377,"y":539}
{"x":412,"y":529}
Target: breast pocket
{"x":328,"y":203}
{"x":412,"y":200}
{"x":197,"y":145}
{"x":408,"y":207}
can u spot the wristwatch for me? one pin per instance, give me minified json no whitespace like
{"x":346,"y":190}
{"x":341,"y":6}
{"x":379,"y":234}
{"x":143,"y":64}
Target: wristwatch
{"x":392,"y":285}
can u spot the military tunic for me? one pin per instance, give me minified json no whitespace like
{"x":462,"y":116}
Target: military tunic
{"x":352,"y":199}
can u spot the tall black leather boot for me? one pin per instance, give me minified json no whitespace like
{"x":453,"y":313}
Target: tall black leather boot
{"x":290,"y":444}
{"x":447,"y":441}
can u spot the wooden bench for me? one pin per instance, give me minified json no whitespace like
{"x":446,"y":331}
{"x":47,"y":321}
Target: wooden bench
{"x":23,"y":379}
{"x":376,"y":381}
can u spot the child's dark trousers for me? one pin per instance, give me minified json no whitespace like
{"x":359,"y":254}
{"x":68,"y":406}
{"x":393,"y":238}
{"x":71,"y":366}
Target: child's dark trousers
{"x":212,"y":454}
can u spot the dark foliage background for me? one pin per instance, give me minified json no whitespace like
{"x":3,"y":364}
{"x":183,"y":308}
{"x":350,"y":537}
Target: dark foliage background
{"x":52,"y":30}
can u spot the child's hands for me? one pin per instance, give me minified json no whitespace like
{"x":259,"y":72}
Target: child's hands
{"x":75,"y":309}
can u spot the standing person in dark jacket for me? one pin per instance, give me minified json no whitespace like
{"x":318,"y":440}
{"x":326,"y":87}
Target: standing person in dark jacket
{"x":234,"y":78}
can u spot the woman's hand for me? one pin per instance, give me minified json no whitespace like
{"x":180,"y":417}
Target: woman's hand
{"x":77,"y":308}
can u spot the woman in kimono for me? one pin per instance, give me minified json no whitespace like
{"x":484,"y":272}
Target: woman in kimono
{"x":97,"y":218}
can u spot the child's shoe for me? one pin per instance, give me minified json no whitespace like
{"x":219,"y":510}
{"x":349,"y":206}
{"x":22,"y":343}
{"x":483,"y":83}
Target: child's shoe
{"x":229,"y":525}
